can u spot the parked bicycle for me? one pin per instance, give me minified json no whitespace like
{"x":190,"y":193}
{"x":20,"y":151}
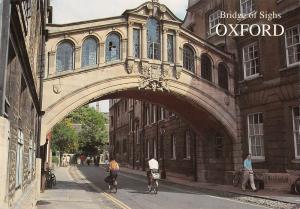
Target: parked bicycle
{"x":238,"y":179}
{"x":50,"y":179}
{"x":295,"y":188}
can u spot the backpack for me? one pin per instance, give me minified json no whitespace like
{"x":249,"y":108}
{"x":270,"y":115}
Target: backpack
{"x":114,"y":166}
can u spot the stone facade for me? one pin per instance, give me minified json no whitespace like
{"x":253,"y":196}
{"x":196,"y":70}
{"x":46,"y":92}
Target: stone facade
{"x":140,"y":129}
{"x":274,"y":89}
{"x":20,"y":118}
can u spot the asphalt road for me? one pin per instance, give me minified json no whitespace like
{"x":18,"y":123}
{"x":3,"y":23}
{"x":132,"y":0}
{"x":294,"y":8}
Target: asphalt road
{"x":132,"y":191}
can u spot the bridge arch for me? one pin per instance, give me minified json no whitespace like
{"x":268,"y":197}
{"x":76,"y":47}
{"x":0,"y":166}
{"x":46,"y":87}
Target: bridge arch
{"x":159,"y":80}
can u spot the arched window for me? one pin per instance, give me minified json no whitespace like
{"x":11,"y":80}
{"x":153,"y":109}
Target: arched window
{"x":112,"y":47}
{"x":188,"y":58}
{"x":223,"y":76}
{"x":153,"y":39}
{"x":89,"y":52}
{"x":206,"y":67}
{"x":65,"y":57}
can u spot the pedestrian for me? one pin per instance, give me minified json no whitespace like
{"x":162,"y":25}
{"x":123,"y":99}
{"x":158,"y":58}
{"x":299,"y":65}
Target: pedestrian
{"x":82,"y":158}
{"x":248,"y":174}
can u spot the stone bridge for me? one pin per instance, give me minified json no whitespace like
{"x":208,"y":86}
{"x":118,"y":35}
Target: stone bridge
{"x":145,"y":53}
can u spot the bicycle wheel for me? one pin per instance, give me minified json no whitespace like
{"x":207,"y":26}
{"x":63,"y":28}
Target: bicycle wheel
{"x":236,"y":179}
{"x":297,"y":186}
{"x":155,"y":187}
{"x":53,"y":178}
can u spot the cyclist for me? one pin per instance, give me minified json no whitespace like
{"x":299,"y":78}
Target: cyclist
{"x":113,"y":171}
{"x":153,"y":166}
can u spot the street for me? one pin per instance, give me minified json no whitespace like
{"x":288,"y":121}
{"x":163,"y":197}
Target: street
{"x":133,"y":193}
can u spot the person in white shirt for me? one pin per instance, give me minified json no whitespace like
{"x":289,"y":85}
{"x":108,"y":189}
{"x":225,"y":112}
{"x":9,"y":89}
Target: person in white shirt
{"x":153,"y":165}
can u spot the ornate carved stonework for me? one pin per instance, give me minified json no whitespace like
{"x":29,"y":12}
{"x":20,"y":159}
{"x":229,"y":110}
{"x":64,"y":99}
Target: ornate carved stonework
{"x":178,"y":72}
{"x":56,"y":88}
{"x":131,"y":67}
{"x":152,"y":78}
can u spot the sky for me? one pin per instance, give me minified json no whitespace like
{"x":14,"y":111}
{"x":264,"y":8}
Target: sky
{"x":66,"y":11}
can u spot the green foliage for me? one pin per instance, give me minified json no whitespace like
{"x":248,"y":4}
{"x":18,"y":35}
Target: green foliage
{"x":93,"y":134}
{"x":55,"y":160}
{"x":64,"y":137}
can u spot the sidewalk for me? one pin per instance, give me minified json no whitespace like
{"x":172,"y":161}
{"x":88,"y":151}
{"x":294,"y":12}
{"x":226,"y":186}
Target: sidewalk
{"x":68,"y":194}
{"x":266,"y":194}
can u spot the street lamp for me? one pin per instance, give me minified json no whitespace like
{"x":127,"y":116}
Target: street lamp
{"x":162,"y":133}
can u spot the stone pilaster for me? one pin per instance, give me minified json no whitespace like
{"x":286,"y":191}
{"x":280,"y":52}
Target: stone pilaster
{"x":102,"y":53}
{"x":4,"y":147}
{"x":144,"y":41}
{"x":77,"y":58}
{"x":177,"y":48}
{"x":52,"y":66}
{"x":130,"y":40}
{"x":165,"y":46}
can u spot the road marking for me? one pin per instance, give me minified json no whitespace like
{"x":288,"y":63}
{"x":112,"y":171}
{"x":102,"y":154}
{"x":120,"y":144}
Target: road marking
{"x":103,"y":193}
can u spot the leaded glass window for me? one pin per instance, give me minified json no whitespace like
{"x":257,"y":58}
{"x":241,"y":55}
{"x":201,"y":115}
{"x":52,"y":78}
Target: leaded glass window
{"x":64,"y":57}
{"x":223,"y":76}
{"x":112,"y":48}
{"x":188,"y":58}
{"x":89,"y":52}
{"x":296,"y":131}
{"x":153,"y":39}
{"x":206,"y":67}
{"x":136,"y":43}
{"x":170,"y":45}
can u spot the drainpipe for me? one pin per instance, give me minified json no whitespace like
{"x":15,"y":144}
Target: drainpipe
{"x":133,"y":136}
{"x":5,"y":10}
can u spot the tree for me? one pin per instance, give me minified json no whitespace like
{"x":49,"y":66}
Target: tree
{"x":93,"y":134}
{"x":64,"y":137}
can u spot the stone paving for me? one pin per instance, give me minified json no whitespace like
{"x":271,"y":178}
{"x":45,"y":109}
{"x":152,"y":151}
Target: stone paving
{"x":70,"y":193}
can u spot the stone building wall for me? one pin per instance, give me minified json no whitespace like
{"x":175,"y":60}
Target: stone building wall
{"x":273,"y":93}
{"x":22,"y":105}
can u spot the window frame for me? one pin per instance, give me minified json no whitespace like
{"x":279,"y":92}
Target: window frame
{"x":256,"y":157}
{"x":139,"y":44}
{"x":212,"y":20}
{"x":19,"y":160}
{"x":187,"y":65}
{"x":245,"y":2}
{"x":118,"y":59}
{"x":97,"y":52}
{"x":257,"y":65}
{"x":297,"y":157}
{"x":73,"y":57}
{"x":157,"y":45}
{"x":173,"y":144}
{"x":286,"y":46}
{"x":171,"y":50}
{"x":187,"y":145}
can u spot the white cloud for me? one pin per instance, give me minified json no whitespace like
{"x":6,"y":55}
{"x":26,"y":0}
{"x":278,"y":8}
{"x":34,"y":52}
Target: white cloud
{"x":65,"y":11}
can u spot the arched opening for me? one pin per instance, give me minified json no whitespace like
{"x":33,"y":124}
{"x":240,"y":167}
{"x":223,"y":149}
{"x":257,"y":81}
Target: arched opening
{"x":188,"y":58}
{"x":206,"y":67}
{"x":89,"y":52}
{"x":112,"y":47}
{"x":223,"y":76}
{"x":65,"y":56}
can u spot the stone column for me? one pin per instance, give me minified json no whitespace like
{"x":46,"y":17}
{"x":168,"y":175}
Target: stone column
{"x":77,"y":57}
{"x":165,"y":46}
{"x":52,"y":66}
{"x":177,"y":48}
{"x":102,"y":53}
{"x":144,"y":41}
{"x":4,"y":147}
{"x":130,"y":41}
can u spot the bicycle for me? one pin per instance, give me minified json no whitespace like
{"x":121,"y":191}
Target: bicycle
{"x":113,"y":185}
{"x":154,"y":177}
{"x":238,"y":177}
{"x":50,"y":179}
{"x":295,"y":188}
